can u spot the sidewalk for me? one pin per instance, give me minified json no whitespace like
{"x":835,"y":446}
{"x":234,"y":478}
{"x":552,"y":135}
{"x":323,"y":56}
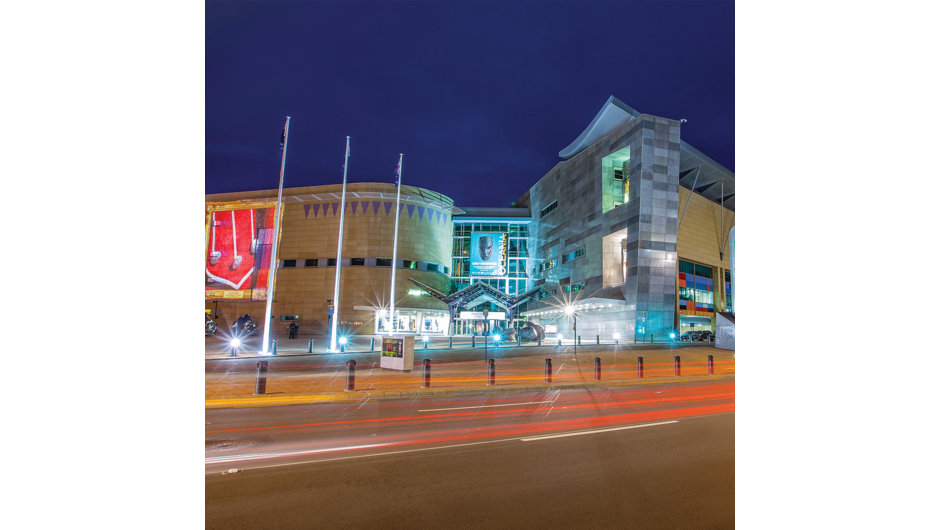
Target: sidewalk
{"x":321,"y":378}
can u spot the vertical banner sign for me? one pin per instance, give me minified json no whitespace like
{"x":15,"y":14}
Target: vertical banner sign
{"x":488,"y":254}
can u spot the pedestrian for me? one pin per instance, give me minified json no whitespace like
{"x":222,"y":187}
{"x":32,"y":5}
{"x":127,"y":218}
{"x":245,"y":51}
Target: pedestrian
{"x":293,"y":330}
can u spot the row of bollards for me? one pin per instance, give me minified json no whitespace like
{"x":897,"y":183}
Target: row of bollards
{"x":261,"y":377}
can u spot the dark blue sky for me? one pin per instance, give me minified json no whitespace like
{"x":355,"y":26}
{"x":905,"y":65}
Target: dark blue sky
{"x":479,"y":96}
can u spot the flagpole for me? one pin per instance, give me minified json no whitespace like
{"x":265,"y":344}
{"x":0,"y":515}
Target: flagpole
{"x":269,"y":293}
{"x":391,"y":315}
{"x":339,"y":254}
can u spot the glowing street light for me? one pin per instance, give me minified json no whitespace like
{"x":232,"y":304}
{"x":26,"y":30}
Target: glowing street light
{"x":342,"y":344}
{"x":235,"y":343}
{"x":616,"y":338}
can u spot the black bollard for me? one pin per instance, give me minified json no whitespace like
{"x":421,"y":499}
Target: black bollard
{"x":372,"y":347}
{"x":548,"y":369}
{"x":351,"y":374}
{"x":597,"y":368}
{"x":261,"y":377}
{"x":450,"y":342}
{"x":309,"y":345}
{"x":426,"y":383}
{"x":274,"y":349}
{"x":540,"y":340}
{"x":579,"y":340}
{"x":473,"y":341}
{"x":426,"y":344}
{"x":639,"y":368}
{"x":677,"y":369}
{"x":491,"y":380}
{"x":518,"y":339}
{"x":711,"y":365}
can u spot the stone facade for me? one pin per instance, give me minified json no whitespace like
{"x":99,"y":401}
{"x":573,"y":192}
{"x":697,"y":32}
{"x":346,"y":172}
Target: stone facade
{"x":646,"y":228}
{"x":310,"y":230}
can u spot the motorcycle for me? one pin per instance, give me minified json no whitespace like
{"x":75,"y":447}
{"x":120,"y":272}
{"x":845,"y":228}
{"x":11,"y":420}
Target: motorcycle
{"x":211,"y":327}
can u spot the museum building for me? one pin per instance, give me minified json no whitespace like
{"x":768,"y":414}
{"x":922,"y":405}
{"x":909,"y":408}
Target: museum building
{"x":630,"y":234}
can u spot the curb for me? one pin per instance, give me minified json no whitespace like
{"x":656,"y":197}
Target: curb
{"x":274,"y":400}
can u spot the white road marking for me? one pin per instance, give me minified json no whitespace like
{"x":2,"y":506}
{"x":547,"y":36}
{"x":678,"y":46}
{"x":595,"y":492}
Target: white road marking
{"x":546,"y":437}
{"x":256,"y":456}
{"x":486,"y":406}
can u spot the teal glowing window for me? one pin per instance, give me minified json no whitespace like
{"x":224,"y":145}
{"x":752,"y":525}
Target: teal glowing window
{"x":573,"y":255}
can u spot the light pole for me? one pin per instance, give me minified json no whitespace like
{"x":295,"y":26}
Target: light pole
{"x":486,"y":332}
{"x":329,"y":304}
{"x":571,"y":312}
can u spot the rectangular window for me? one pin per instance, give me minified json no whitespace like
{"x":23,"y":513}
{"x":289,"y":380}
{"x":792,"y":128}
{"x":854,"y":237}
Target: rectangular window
{"x":618,"y":173}
{"x":547,"y":294}
{"x":686,"y":267}
{"x":310,"y":263}
{"x":727,"y":276}
{"x":290,"y":263}
{"x":548,"y":208}
{"x":574,"y":287}
{"x":446,"y":270}
{"x":290,"y":317}
{"x":703,"y":271}
{"x":685,"y":293}
{"x":550,"y":264}
{"x":432,"y":267}
{"x":383,"y":262}
{"x":573,"y":255}
{"x":357,"y":262}
{"x":408,"y":264}
{"x":331,"y":262}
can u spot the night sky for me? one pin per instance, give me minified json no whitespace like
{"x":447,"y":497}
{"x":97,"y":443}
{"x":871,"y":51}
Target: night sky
{"x":479,"y":96}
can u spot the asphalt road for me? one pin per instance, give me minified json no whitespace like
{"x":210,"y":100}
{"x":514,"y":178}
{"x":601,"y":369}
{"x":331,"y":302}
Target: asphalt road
{"x":655,"y":456}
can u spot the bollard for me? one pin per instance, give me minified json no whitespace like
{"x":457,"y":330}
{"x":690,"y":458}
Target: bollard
{"x":677,"y":370}
{"x":351,"y":374}
{"x":372,"y":347}
{"x":426,"y":383}
{"x":711,"y":365}
{"x":597,"y":368}
{"x":450,"y":342}
{"x":639,"y":368}
{"x":651,"y":338}
{"x":518,"y":339}
{"x":598,"y":340}
{"x":491,"y":380}
{"x":548,"y":369}
{"x":579,"y":340}
{"x":559,"y":342}
{"x":473,"y":341}
{"x":540,"y":340}
{"x":274,"y":349}
{"x":309,"y":345}
{"x":342,"y":347}
{"x":261,"y":377}
{"x":426,"y":344}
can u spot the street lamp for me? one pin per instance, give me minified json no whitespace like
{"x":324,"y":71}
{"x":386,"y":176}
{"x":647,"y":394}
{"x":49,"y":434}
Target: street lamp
{"x":616,"y":338}
{"x":569,"y":310}
{"x":486,"y":332}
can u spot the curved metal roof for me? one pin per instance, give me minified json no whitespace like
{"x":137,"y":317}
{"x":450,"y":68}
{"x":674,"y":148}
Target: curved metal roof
{"x":613,"y":114}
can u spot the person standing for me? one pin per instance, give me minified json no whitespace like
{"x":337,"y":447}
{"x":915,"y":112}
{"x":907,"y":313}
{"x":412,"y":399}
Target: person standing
{"x":293,"y":330}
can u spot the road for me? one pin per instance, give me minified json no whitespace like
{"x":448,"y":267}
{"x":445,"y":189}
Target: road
{"x":653,"y":456}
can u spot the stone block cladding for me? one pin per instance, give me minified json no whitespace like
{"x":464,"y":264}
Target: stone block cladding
{"x":650,"y":219}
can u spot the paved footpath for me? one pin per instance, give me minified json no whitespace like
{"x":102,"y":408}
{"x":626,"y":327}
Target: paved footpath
{"x":297,"y":377}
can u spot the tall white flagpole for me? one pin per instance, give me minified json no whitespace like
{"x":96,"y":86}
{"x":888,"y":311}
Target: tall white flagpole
{"x":391,"y":315}
{"x":269,"y":293}
{"x":339,"y":254}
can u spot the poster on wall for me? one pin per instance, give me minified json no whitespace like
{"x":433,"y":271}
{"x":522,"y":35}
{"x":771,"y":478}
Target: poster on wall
{"x":488,"y":254}
{"x":239,"y":253}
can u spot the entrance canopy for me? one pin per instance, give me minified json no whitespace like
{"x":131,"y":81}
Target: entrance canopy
{"x":477,"y":294}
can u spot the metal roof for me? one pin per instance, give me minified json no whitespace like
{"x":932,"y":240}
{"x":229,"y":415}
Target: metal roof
{"x":613,"y":114}
{"x":494,"y":212}
{"x":265,"y":197}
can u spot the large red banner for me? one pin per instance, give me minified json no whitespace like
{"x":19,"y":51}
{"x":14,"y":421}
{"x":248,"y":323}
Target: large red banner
{"x":239,"y":252}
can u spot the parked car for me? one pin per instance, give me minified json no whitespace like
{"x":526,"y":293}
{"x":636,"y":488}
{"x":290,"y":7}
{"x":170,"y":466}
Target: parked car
{"x":211,"y":326}
{"x":707,"y":335}
{"x":691,"y":335}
